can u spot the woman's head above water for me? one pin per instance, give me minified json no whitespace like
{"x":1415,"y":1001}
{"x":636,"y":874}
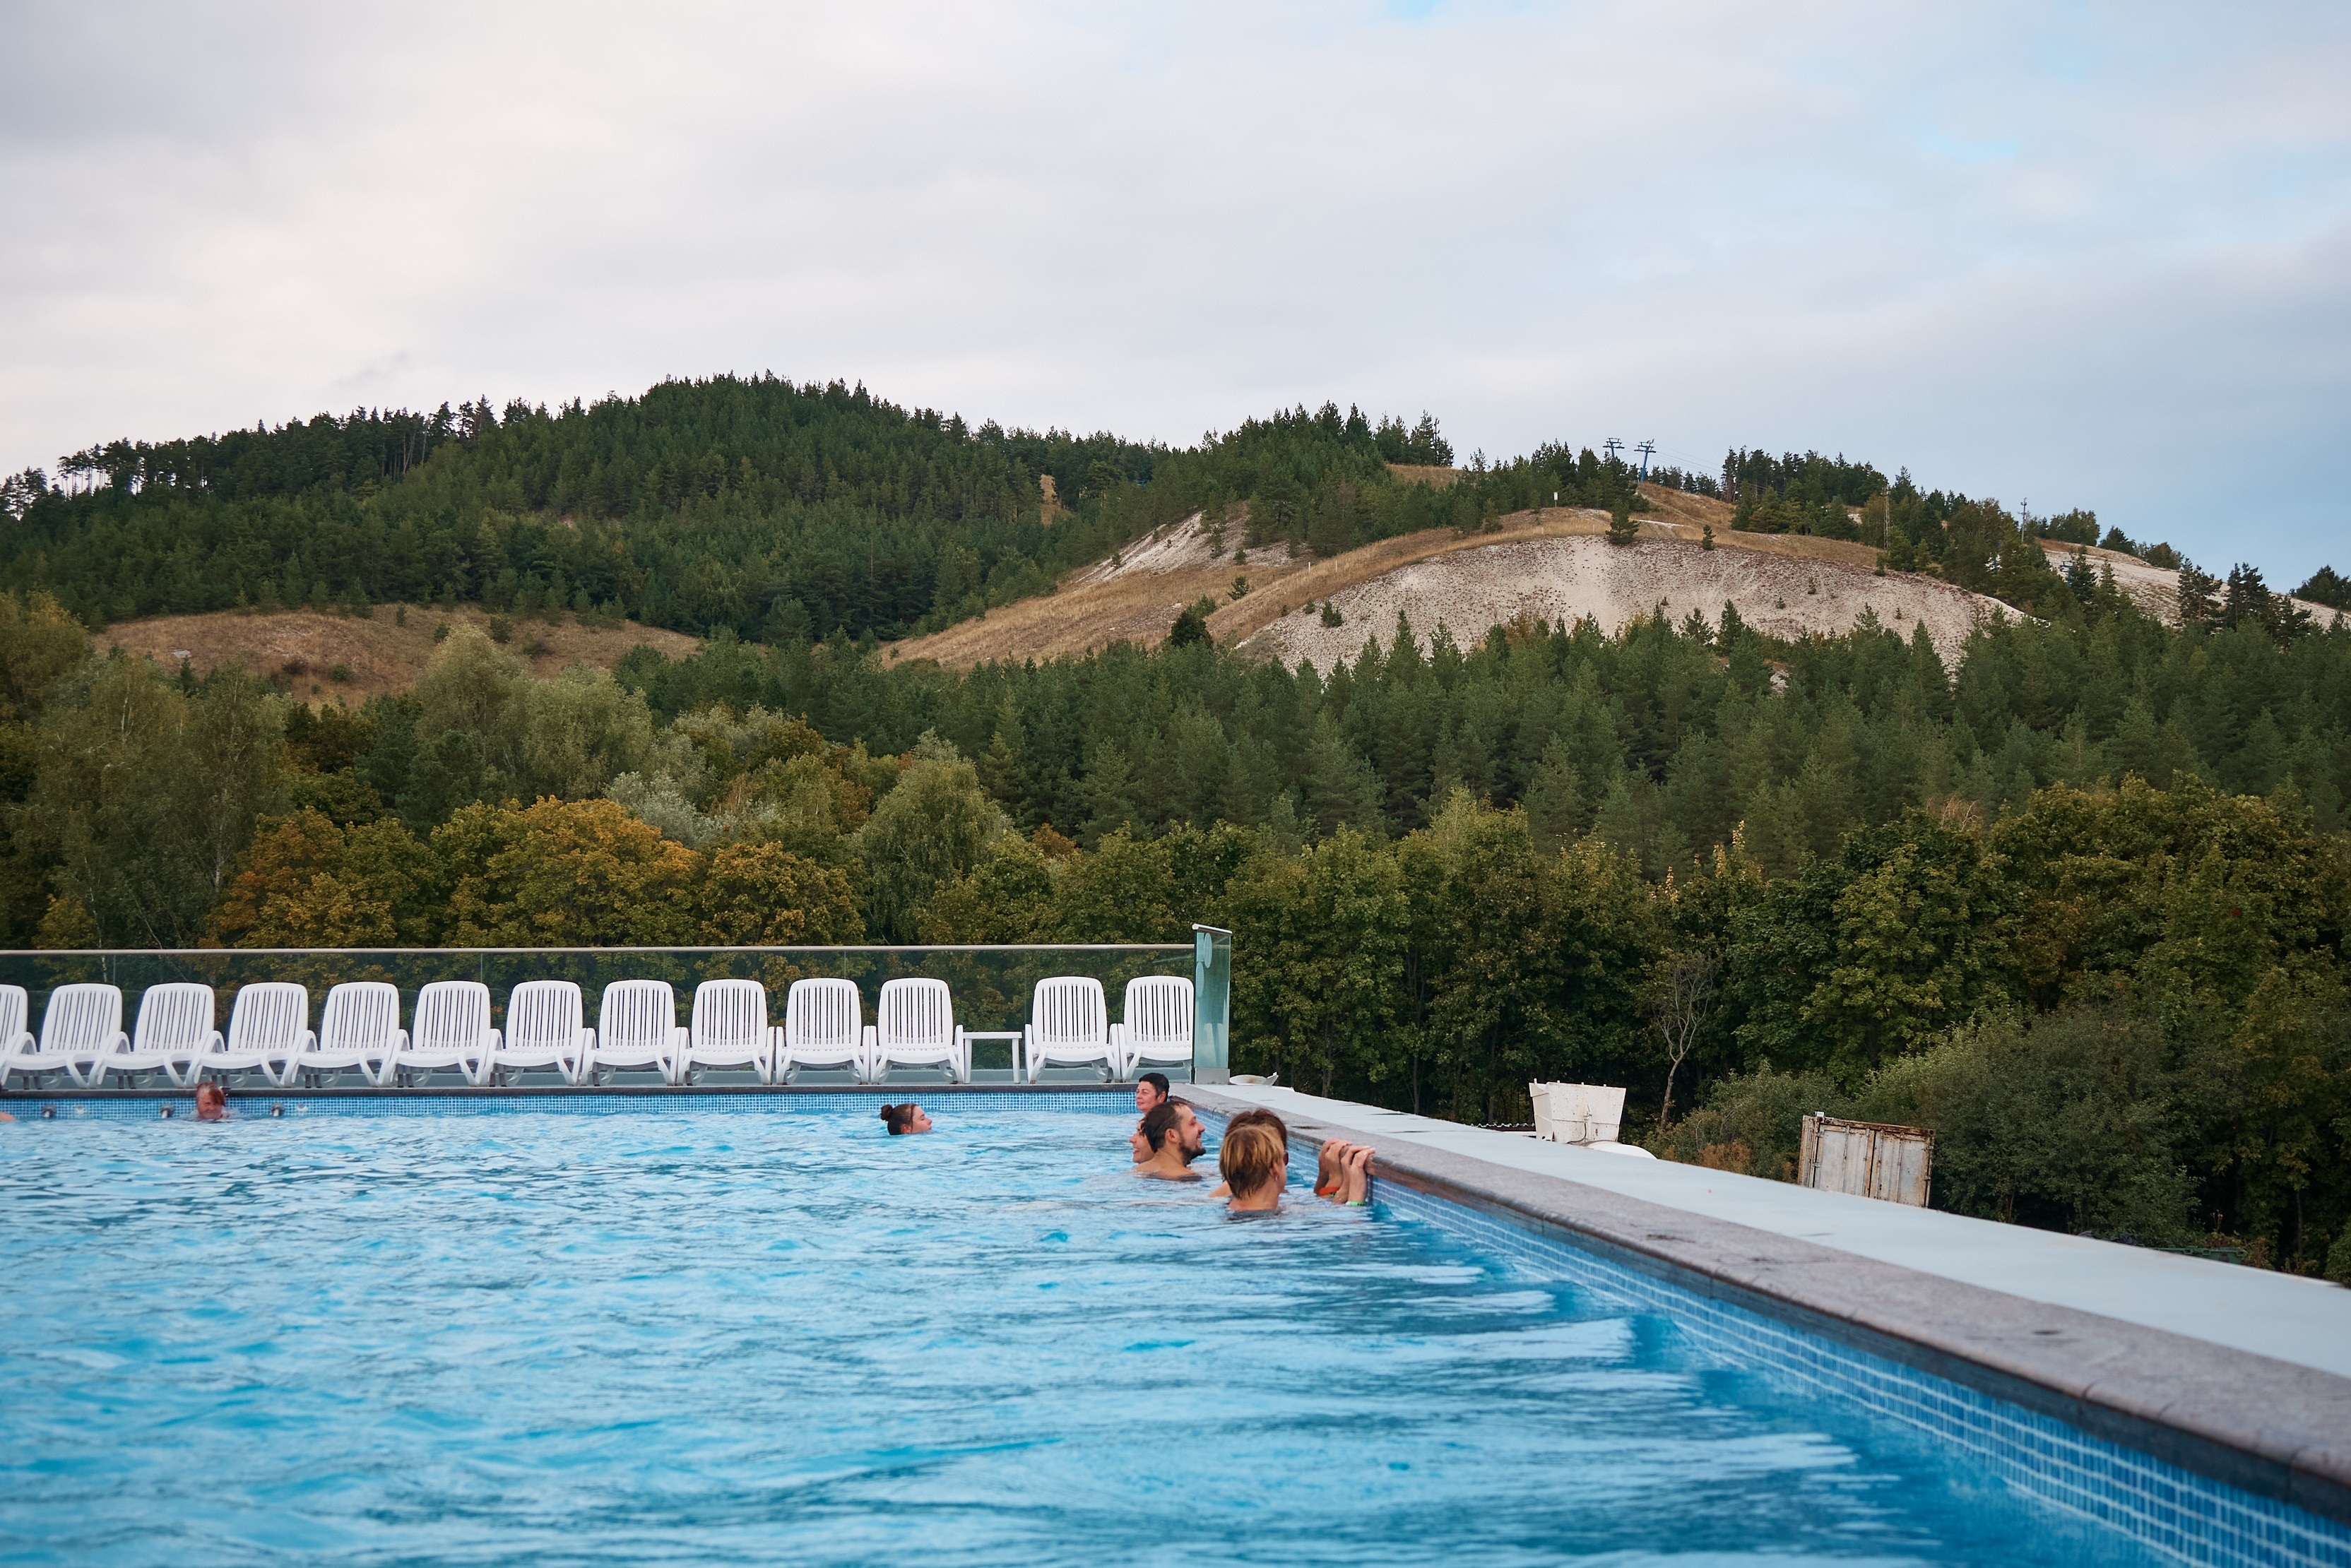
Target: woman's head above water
{"x":905,"y":1118}
{"x":1254,"y":1160}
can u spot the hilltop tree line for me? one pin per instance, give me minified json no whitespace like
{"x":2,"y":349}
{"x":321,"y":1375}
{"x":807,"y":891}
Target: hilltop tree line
{"x":2075,"y":899}
{"x":772,"y":510}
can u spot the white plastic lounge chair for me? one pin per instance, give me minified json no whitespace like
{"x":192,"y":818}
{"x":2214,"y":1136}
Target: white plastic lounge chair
{"x":544,"y":1028}
{"x":636,"y":1026}
{"x":81,"y":1025}
{"x":174,"y":1029}
{"x":1069,"y":1024}
{"x":13,"y":1038}
{"x":451,"y":1030}
{"x":915,"y":1026}
{"x":269,"y":1023}
{"x":358,"y":1026}
{"x":730,"y":1029}
{"x":823,"y":1027}
{"x":1158,"y":1025}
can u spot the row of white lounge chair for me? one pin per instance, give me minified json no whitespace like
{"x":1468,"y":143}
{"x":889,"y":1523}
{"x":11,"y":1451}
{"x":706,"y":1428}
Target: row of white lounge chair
{"x":824,"y":1026}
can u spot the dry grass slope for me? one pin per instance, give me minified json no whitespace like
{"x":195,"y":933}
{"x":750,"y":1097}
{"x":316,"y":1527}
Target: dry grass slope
{"x":302,"y":648}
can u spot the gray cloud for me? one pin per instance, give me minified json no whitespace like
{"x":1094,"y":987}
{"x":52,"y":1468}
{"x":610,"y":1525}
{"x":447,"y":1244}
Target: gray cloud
{"x":2089,"y":256}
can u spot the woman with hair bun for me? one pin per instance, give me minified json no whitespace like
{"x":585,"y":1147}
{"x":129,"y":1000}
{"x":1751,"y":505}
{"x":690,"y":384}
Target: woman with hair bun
{"x":905,"y":1118}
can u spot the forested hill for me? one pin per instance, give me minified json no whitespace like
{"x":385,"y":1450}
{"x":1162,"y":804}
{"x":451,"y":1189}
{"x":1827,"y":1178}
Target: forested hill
{"x":774,"y":510}
{"x":786,"y":512}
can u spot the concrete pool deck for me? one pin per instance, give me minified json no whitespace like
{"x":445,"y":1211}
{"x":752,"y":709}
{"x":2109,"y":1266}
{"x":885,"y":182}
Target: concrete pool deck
{"x":2240,"y":1374}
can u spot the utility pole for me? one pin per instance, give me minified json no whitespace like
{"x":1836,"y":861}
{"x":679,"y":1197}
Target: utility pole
{"x":1610,"y":446}
{"x":1646,"y":449}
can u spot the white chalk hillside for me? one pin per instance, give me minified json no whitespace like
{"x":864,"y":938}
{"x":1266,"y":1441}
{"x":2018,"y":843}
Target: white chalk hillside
{"x":1569,"y":579}
{"x":2155,"y":589}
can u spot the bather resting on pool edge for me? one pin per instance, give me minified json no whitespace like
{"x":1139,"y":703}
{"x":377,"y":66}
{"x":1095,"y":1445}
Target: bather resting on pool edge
{"x":907,"y":1118}
{"x":1172,"y":1138}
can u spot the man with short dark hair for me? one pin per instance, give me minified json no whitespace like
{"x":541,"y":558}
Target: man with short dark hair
{"x":1173,"y":1137}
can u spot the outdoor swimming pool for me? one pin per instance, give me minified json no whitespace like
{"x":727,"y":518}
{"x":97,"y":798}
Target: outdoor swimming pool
{"x":709,"y":1337}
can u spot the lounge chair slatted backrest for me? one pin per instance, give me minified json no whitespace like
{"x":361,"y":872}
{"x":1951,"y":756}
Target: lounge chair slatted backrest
{"x":547,"y":1026}
{"x":174,"y":1029}
{"x":14,"y":1037}
{"x":636,"y":1026}
{"x":81,"y":1024}
{"x":730,"y":1028}
{"x":358,"y":1026}
{"x":914,"y":1026}
{"x":824,"y":1026}
{"x":451,"y":1030}
{"x":1156,"y":1023}
{"x":1068,"y":1023}
{"x":269,"y":1023}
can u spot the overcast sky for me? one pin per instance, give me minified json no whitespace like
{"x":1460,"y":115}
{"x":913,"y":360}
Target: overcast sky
{"x":2065,"y":255}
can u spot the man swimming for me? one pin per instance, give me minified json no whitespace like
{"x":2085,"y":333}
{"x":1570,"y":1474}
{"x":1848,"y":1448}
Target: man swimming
{"x":1174,"y":1141}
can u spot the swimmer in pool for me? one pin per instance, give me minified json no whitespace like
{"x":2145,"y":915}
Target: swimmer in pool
{"x":1253,"y":1118}
{"x":1194,"y":1134}
{"x":905,"y":1118}
{"x":212,"y":1101}
{"x":1150,"y":1090}
{"x":1254,"y":1160}
{"x":1174,"y":1139}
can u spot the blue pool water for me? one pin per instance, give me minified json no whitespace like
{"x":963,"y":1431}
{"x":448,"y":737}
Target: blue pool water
{"x":701,"y":1337}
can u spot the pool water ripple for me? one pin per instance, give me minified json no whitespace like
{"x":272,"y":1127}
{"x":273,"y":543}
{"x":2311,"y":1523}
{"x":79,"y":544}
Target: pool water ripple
{"x":564,"y":1340}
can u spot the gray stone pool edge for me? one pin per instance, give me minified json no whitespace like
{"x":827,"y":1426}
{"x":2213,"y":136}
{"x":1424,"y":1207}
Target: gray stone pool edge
{"x":2266,"y":1427}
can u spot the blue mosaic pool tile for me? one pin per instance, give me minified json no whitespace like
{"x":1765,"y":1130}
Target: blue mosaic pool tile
{"x":250,"y":1105}
{"x":2184,"y":1516}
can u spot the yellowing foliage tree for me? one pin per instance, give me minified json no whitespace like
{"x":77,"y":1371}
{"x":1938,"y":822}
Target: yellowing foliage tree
{"x":307,"y":883}
{"x":565,"y":874}
{"x":764,"y":896}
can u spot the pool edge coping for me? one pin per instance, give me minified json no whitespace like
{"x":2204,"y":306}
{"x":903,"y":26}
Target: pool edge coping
{"x":2269,"y":1428}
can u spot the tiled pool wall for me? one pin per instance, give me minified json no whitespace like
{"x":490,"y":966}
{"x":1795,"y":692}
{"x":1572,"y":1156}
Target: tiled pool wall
{"x":2189,"y":1517}
{"x":251,"y":1104}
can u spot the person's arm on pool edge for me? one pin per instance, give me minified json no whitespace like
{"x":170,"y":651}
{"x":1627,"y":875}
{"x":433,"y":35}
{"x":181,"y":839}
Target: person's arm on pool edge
{"x":1354,"y":1175}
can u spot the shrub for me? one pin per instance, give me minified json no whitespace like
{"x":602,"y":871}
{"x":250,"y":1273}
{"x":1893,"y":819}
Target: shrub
{"x":2069,"y":1122}
{"x":1752,"y":1125}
